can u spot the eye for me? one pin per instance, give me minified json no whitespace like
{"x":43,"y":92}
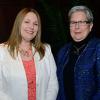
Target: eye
{"x":26,"y":21}
{"x":72,"y":22}
{"x":36,"y":24}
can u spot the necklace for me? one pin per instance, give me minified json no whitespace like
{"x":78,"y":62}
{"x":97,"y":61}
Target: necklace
{"x":25,"y":53}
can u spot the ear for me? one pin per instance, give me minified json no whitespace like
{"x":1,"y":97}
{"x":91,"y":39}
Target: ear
{"x":91,"y":25}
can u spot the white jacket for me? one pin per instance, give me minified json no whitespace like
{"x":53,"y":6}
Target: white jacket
{"x":13,"y":83}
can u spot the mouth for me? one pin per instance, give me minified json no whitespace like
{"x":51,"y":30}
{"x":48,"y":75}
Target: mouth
{"x":77,"y":32}
{"x":30,"y":32}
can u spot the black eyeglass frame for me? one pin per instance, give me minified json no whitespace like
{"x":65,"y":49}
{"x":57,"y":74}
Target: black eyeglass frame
{"x":79,"y":22}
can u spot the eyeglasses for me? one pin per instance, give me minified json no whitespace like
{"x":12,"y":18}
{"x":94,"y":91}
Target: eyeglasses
{"x":80,"y":23}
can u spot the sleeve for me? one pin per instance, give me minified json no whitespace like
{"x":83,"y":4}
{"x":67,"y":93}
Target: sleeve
{"x":60,"y":60}
{"x":3,"y":95}
{"x":97,"y":94}
{"x":53,"y":82}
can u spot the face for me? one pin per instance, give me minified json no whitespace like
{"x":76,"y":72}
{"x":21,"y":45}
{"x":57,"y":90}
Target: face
{"x":79,"y":26}
{"x":29,"y":27}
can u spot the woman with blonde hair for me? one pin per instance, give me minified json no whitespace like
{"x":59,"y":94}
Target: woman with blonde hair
{"x":27,"y":66}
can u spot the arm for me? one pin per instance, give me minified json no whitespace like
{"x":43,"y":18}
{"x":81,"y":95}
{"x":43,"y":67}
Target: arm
{"x":53,"y":83}
{"x":3,"y":95}
{"x":97,"y":94}
{"x":60,"y":60}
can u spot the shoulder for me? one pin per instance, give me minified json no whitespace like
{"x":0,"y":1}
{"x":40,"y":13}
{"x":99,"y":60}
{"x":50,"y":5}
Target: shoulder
{"x":94,"y":45}
{"x":47,"y":49}
{"x":64,"y":48}
{"x":3,"y":51}
{"x":3,"y":47}
{"x":95,"y":42}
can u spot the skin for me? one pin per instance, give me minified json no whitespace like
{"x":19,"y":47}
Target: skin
{"x":79,"y":33}
{"x":29,"y":29}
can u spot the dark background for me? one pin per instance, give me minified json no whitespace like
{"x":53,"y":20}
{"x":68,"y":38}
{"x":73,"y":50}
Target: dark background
{"x":55,"y":29}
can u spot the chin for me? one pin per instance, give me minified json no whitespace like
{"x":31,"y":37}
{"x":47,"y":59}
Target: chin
{"x":78,"y":40}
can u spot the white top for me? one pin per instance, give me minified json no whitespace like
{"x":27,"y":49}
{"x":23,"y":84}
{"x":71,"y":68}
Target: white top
{"x":13,"y":82}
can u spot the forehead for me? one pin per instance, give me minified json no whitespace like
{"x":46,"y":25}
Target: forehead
{"x":30,"y":15}
{"x":78,"y":15}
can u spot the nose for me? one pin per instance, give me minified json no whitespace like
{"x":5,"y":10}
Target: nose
{"x":31,"y":26}
{"x":77,"y":26}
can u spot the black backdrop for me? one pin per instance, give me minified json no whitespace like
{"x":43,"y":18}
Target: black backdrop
{"x":55,"y":30}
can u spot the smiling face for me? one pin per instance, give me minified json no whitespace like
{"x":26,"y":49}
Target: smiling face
{"x":79,"y":26}
{"x":29,"y":27}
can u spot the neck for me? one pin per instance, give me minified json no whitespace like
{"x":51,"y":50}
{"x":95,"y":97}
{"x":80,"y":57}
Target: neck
{"x":85,"y":41}
{"x":25,"y":46}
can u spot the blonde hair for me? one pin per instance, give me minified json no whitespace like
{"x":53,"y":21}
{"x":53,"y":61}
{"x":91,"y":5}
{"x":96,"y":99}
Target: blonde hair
{"x":15,"y":37}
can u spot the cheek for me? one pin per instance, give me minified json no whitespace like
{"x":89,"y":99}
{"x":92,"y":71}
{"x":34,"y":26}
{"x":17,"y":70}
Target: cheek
{"x":87,"y":31}
{"x":36,"y":28}
{"x":72,"y":32}
{"x":22,"y":28}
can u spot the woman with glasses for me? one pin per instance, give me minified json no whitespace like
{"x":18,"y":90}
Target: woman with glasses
{"x":78,"y":62}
